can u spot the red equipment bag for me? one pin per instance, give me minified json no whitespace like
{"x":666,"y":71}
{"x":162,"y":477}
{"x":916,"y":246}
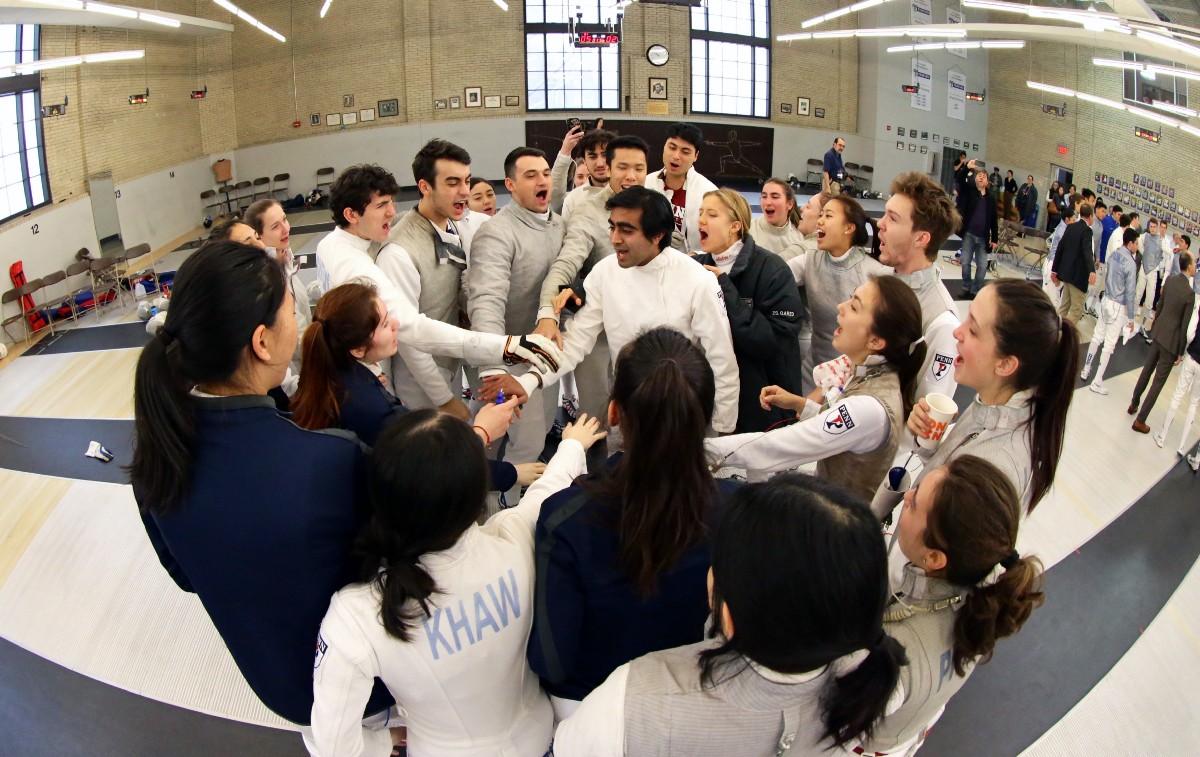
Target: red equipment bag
{"x":37,"y":319}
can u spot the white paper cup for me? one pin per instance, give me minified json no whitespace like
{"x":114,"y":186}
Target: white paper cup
{"x":942,"y":410}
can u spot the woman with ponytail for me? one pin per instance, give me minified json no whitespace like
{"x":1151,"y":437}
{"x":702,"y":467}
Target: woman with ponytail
{"x":622,"y":554}
{"x":444,"y":607}
{"x":963,"y":588}
{"x":798,"y":660}
{"x":852,"y":423}
{"x":1021,"y":359}
{"x":244,"y":508}
{"x":343,"y":387}
{"x":778,"y":228}
{"x":842,"y":262}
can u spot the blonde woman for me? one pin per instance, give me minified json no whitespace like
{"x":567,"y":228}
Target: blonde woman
{"x":761,"y":300}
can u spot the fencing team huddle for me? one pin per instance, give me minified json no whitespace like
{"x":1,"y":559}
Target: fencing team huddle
{"x":318,"y":477}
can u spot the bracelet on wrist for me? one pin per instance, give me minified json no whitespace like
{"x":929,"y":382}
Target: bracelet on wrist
{"x":487,"y":438}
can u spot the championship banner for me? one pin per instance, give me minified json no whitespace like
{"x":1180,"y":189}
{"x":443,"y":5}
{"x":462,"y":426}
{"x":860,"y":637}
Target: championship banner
{"x":956,"y":99}
{"x":922,"y":76}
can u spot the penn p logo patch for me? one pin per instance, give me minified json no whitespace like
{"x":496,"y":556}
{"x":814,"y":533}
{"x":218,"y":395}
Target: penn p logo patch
{"x":941,"y":366}
{"x":838,"y":421}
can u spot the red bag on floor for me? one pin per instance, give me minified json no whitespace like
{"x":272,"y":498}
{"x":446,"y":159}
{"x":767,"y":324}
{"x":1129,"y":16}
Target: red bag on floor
{"x":16,"y":272}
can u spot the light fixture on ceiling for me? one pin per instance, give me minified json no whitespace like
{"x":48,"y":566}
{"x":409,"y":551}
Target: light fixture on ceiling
{"x":898,"y":31}
{"x":325,"y":7}
{"x":855,"y":8}
{"x":1171,"y":42}
{"x":1131,"y":65}
{"x":1097,"y":100}
{"x":503,"y":5}
{"x":243,"y":15}
{"x":110,"y":10}
{"x":34,"y":66}
{"x":1050,"y":88}
{"x":1166,"y":120}
{"x":989,"y":44}
{"x":1190,"y":129}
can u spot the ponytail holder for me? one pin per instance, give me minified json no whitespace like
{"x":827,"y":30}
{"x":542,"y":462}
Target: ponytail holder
{"x":913,"y":347}
{"x":167,"y":336}
{"x":318,"y":320}
{"x":1010,"y":560}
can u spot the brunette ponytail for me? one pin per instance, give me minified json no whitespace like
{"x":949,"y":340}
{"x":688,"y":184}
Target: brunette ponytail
{"x":1047,"y":350}
{"x":973,"y":520}
{"x":661,"y":489}
{"x":345,"y":320}
{"x":897,"y":321}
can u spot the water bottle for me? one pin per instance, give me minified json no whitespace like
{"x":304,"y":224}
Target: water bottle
{"x":139,"y":291}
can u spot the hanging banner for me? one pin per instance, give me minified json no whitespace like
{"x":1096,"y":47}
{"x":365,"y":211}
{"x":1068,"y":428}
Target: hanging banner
{"x":956,"y":98}
{"x":922,"y":76}
{"x":920,"y":12}
{"x":955,"y":16}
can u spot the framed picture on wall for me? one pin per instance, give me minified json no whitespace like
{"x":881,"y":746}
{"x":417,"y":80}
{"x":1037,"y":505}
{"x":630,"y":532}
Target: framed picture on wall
{"x":785,"y":107}
{"x":924,"y":149}
{"x":937,"y":137}
{"x":657,"y":88}
{"x":366,"y":114}
{"x":439,"y":104}
{"x":473,"y":97}
{"x":912,"y":147}
{"x":819,"y":112}
{"x":491,"y":101}
{"x":899,"y":145}
{"x":802,"y":106}
{"x":389,"y":108}
{"x":455,"y":102}
{"x":314,"y":119}
{"x":333,"y":119}
{"x":512,"y":101}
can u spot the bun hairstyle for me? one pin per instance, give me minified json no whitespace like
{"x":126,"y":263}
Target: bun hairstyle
{"x":973,"y":520}
{"x":345,"y":320}
{"x":222,"y":294}
{"x":1046,"y":347}
{"x":428,"y":484}
{"x":801,"y":566}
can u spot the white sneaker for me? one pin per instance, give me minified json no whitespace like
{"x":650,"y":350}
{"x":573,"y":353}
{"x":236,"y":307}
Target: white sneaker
{"x":1083,"y":374}
{"x":1100,"y":389}
{"x":1160,"y":440}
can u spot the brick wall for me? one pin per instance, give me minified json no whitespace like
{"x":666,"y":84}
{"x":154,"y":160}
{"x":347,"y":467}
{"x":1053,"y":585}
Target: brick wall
{"x":1098,"y":139}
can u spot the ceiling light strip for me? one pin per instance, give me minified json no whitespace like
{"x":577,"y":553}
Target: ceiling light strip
{"x":34,"y":66}
{"x":855,"y":8}
{"x":251,"y":20}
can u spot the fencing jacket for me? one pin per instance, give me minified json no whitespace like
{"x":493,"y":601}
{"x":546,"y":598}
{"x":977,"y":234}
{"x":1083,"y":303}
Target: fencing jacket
{"x":585,"y":243}
{"x":657,"y":705}
{"x":1120,"y":280}
{"x":581,"y":194}
{"x":461,"y":682}
{"x":939,"y":319}
{"x":830,"y":281}
{"x":928,"y":679}
{"x":671,"y":290}
{"x":262,"y":536}
{"x":777,"y":239}
{"x":343,"y":257}
{"x":432,"y":278}
{"x":858,"y":423}
{"x":511,"y":256}
{"x":696,"y":186}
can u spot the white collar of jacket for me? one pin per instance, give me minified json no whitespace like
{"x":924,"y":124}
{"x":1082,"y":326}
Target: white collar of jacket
{"x":919,"y":280}
{"x":852,"y":256}
{"x":725,"y":260}
{"x":1009,"y":415}
{"x":528,"y":217}
{"x":872,"y":363}
{"x":917,"y":588}
{"x":461,"y":548}
{"x":353,"y":240}
{"x":690,"y":179}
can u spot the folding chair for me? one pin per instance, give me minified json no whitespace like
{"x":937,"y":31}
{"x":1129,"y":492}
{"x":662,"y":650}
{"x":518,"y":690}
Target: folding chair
{"x":866,"y":174}
{"x":210,"y":200}
{"x":851,"y":182}
{"x":280,"y":184}
{"x":80,"y":272}
{"x":138,"y":267}
{"x":262,"y":186}
{"x":106,"y":283}
{"x":55,"y":305}
{"x":35,"y":320}
{"x":229,"y":195}
{"x":324,"y":177}
{"x":242,"y":195}
{"x":13,"y":295}
{"x":816,"y":169}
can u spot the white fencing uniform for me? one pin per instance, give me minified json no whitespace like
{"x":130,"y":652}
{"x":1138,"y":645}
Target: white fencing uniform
{"x":1121,"y":287}
{"x":462,"y":683}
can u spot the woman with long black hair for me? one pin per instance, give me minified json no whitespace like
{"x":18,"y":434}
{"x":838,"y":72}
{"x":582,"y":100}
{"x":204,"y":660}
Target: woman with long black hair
{"x":798,"y":661}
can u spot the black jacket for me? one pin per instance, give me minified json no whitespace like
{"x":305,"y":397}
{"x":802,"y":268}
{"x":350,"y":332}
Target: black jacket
{"x":1027,"y":199}
{"x":973,"y":198}
{"x":764,"y":311}
{"x":1074,"y":260}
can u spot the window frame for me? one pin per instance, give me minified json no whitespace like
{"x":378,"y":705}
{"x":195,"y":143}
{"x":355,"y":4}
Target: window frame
{"x":750,"y":41}
{"x":546,"y":29}
{"x":16,"y":86}
{"x":1179,"y":85}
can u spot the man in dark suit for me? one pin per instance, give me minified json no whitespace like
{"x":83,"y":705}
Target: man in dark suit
{"x":1075,"y":265}
{"x":1168,"y":338}
{"x":1027,"y":197}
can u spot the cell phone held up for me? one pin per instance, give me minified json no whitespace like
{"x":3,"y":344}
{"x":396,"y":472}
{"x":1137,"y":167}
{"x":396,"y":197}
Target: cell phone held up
{"x":586,"y":126}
